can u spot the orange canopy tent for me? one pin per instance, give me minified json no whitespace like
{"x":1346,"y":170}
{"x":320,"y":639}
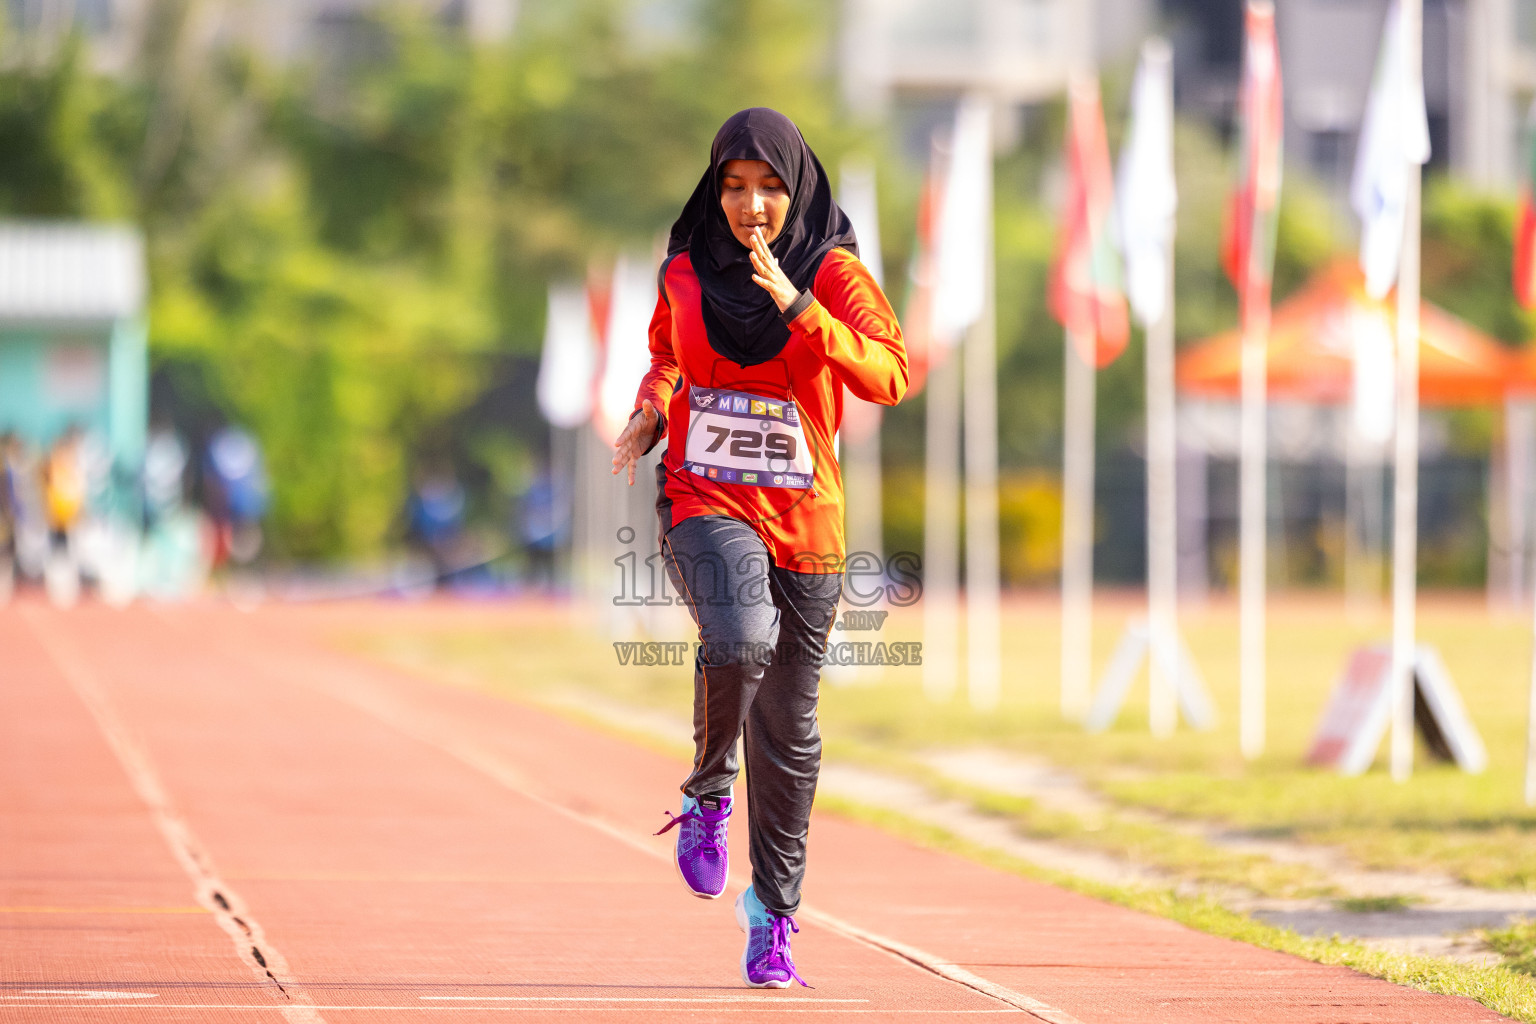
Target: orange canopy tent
{"x":1524,"y":383}
{"x":1313,"y":339}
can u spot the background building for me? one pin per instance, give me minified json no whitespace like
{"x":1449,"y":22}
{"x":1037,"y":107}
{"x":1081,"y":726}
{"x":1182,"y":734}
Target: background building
{"x":1479,"y":64}
{"x":72,"y":335}
{"x":1479,"y":76}
{"x":280,"y":29}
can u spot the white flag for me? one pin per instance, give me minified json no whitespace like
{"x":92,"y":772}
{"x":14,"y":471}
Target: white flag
{"x":856,"y":195}
{"x":569,"y":359}
{"x":1395,"y":131}
{"x":965,"y":212}
{"x":1373,"y":393}
{"x":1147,"y":196}
{"x":627,"y":354}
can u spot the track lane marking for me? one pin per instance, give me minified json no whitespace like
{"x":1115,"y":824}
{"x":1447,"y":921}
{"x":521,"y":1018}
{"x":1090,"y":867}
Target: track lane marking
{"x":787,"y":1006}
{"x":365,"y":697}
{"x":775,"y":1000}
{"x":103,"y":910}
{"x":77,"y":993}
{"x":211,"y":892}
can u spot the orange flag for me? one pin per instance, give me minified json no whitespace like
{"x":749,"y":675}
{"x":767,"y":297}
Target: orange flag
{"x":1085,"y":291}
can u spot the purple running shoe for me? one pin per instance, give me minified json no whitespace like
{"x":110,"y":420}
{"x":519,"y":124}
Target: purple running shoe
{"x":702,"y":860}
{"x":765,"y":962}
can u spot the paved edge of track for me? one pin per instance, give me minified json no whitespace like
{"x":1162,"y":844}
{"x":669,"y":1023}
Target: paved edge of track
{"x":211,"y":892}
{"x":495,"y":768}
{"x":947,"y":971}
{"x":141,"y":730}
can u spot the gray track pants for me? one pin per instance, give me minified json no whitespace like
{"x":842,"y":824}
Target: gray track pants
{"x":763,"y":633}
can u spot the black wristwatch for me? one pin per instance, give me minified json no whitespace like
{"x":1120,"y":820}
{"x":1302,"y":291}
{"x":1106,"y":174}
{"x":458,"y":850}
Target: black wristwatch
{"x":792,"y":311}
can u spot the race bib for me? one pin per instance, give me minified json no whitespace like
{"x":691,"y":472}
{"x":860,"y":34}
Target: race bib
{"x":736,"y":437}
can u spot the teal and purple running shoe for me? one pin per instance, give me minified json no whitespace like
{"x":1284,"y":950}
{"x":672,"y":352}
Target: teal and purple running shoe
{"x":765,"y":961}
{"x":701,"y":857}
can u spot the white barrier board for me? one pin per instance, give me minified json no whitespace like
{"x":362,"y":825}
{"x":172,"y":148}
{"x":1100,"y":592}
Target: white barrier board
{"x":1359,"y":711}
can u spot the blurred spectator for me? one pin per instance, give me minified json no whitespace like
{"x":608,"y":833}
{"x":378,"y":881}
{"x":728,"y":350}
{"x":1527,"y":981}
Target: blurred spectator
{"x":22,"y":475}
{"x":546,"y":520}
{"x":235,"y":494}
{"x":165,"y":466}
{"x":10,"y":511}
{"x":436,"y":516}
{"x":65,"y":485}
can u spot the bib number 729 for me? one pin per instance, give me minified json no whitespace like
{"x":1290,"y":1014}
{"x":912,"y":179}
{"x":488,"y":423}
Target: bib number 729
{"x":754,"y":444}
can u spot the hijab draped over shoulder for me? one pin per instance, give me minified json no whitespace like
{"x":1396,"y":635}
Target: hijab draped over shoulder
{"x":740,"y":317}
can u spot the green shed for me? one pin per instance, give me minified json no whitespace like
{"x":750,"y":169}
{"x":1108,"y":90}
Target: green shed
{"x":72,"y":335}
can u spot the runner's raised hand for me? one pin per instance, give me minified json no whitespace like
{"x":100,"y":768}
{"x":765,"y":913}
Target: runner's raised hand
{"x":767,"y":273}
{"x":635,"y":439}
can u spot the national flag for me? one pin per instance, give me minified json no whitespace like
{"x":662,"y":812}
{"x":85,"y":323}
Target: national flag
{"x":917,"y":318}
{"x":627,"y":351}
{"x":1148,"y":197}
{"x":964,"y":225}
{"x":1394,"y":133}
{"x":856,"y":195}
{"x":949,"y":274}
{"x":569,"y":360}
{"x":1085,"y":280}
{"x":1525,"y":229}
{"x":1248,"y":248}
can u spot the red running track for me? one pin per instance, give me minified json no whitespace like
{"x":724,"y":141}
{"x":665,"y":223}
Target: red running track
{"x":210,"y":815}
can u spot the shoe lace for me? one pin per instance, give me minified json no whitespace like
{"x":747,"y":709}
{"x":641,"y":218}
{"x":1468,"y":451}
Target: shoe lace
{"x":711,"y":831}
{"x":779,"y":952}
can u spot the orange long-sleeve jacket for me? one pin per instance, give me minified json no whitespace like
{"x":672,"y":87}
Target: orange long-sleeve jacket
{"x":847,"y":336}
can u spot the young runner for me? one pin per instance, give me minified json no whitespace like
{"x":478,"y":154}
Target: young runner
{"x":765,"y":315}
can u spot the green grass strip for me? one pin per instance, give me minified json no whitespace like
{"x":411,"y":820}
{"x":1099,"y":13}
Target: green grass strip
{"x":1499,"y":988}
{"x":1517,"y":943}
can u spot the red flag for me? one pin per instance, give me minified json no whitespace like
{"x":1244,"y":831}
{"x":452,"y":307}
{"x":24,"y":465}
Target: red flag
{"x":1248,"y":242}
{"x":917,"y":316}
{"x":1085,"y":293}
{"x":599,"y":300}
{"x":1525,"y":251}
{"x":1525,"y":229}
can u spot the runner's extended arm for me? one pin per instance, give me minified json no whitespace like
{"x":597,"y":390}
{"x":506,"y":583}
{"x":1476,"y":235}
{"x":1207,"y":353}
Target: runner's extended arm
{"x":852,"y":328}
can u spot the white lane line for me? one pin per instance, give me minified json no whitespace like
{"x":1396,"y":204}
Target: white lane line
{"x":644,"y":999}
{"x":212,"y":892}
{"x":789,"y":1005}
{"x":944,"y":969}
{"x":73,"y":993}
{"x":366,"y":697}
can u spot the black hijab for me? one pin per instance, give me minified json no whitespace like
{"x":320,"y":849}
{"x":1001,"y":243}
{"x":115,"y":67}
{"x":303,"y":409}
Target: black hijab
{"x":740,"y":318}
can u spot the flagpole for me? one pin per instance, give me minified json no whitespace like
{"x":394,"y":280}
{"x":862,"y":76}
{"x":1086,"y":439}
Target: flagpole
{"x":1148,"y":204}
{"x":1252,"y":275}
{"x":1522,"y":423}
{"x":983,"y":633}
{"x":941,"y":528}
{"x":959,"y":303}
{"x":562,"y":478}
{"x":941,"y":452}
{"x":982,"y":583}
{"x":1253,"y":529}
{"x":1077,"y":478}
{"x":590,"y":501}
{"x":860,"y":464}
{"x":1405,"y":509}
{"x":859,"y":458}
{"x":1530,"y":734}
{"x":1162,"y":538}
{"x":1077,"y":531}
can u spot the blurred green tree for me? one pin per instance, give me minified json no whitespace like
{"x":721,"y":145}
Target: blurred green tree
{"x":345,"y":252}
{"x":342,"y":250}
